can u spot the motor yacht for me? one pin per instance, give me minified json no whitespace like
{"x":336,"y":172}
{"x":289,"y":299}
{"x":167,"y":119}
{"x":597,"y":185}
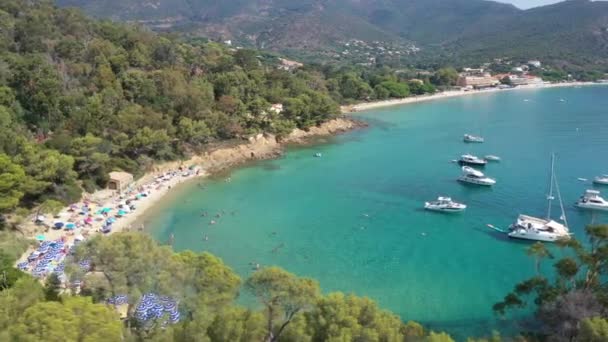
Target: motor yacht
{"x":592,"y":200}
{"x":602,"y":180}
{"x":473,"y":138}
{"x":445,"y":204}
{"x":469,"y":159}
{"x":472,"y":176}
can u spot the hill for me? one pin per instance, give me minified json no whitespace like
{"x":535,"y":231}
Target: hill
{"x":444,"y":29}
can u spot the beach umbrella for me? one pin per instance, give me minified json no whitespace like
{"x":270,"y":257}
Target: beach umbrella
{"x":70,"y":226}
{"x":40,"y":218}
{"x":58,"y":224}
{"x":121,"y":213}
{"x":40,"y":237}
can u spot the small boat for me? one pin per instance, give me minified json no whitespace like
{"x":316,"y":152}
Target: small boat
{"x":602,"y":180}
{"x":592,"y":200}
{"x":468,"y":159}
{"x":473,"y":138}
{"x":491,"y":157}
{"x":472,"y":176}
{"x":445,"y":204}
{"x":543,"y":229}
{"x":562,"y":100}
{"x":318,"y":155}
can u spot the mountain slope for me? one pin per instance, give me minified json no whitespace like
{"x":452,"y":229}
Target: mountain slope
{"x":446,"y":28}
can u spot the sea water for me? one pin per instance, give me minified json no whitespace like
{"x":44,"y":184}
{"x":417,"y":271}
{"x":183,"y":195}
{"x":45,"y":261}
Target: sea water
{"x":353,"y":219}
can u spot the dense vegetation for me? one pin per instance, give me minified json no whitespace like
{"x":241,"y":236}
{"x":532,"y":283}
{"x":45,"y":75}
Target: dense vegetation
{"x":572,"y":301}
{"x":291,"y":308}
{"x":569,"y":33}
{"x":80,"y":98}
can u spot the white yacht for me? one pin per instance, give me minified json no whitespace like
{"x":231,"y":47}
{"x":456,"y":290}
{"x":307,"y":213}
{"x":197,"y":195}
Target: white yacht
{"x":543,"y":229}
{"x":472,"y":176}
{"x":469,"y":159}
{"x":473,"y":138}
{"x":602,"y":180}
{"x":592,"y":200}
{"x":445,"y":204}
{"x":491,"y":157}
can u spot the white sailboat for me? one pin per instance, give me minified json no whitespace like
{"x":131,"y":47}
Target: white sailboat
{"x":539,"y":229}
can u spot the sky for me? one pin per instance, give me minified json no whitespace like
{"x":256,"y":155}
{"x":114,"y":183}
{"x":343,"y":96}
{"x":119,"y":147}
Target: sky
{"x":529,"y":3}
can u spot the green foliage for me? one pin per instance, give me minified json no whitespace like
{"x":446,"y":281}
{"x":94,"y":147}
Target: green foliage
{"x":12,"y":179}
{"x":445,"y":77}
{"x":594,"y":330}
{"x":52,"y":287}
{"x":72,"y":319}
{"x":9,"y":275}
{"x":568,"y":303}
{"x":13,"y":245}
{"x":283,"y":296}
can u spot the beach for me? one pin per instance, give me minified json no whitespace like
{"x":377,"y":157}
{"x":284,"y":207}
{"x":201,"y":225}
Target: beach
{"x":157,"y":183}
{"x":88,"y":217}
{"x":451,"y":93}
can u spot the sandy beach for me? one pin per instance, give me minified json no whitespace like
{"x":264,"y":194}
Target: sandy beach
{"x":157,"y":183}
{"x":451,"y":93}
{"x":85,"y":218}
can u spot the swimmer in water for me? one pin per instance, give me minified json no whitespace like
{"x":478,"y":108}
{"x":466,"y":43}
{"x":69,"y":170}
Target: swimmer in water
{"x":212,"y":222}
{"x":206,"y":238}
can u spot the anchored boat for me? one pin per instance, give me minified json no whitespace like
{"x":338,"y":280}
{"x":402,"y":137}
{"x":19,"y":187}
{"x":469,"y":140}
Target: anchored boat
{"x":592,"y":200}
{"x":469,"y":159}
{"x":473,"y":138}
{"x":472,"y":176}
{"x":602,"y":180}
{"x":543,"y":229}
{"x":445,"y":204}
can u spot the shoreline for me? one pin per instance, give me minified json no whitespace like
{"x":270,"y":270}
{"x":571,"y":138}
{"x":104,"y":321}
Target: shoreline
{"x":157,"y":183}
{"x":364,"y":106}
{"x":222,"y":158}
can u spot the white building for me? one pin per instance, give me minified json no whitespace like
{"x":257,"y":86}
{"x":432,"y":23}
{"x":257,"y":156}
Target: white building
{"x":535,"y":63}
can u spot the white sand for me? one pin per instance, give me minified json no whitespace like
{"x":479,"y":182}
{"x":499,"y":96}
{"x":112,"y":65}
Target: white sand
{"x":452,"y":93}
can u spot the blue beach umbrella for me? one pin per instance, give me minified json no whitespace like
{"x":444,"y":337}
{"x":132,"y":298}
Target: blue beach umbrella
{"x":40,"y":237}
{"x":70,"y":226}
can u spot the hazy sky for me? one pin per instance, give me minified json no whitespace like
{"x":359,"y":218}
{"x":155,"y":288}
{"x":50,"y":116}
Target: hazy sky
{"x":529,"y":3}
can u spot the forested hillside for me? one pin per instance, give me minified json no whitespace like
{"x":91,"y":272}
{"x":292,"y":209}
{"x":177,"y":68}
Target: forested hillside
{"x":447,"y":31}
{"x":80,"y":98}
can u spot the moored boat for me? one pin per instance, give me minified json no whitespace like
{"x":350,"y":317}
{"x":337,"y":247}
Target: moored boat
{"x":592,"y":200}
{"x":543,"y":229}
{"x":469,"y":159}
{"x":602,"y":180}
{"x":491,"y":157}
{"x":472,"y":176}
{"x":473,"y":138}
{"x":445,"y":204}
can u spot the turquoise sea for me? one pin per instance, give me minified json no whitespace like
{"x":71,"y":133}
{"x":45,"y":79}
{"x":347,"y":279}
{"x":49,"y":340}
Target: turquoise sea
{"x":353,"y":220}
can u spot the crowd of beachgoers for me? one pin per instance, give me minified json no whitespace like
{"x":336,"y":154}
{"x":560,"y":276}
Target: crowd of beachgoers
{"x":82,"y":220}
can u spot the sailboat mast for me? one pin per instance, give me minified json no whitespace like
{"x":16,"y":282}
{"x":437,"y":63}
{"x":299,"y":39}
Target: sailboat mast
{"x":551,"y":181}
{"x":561,"y":203}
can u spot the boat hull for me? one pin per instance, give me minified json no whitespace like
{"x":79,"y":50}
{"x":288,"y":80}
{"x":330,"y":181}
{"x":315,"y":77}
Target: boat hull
{"x":475,"y":182}
{"x":600,"y":181}
{"x":445,"y":210}
{"x":591,"y":207}
{"x":535,"y":237}
{"x":479,"y":164}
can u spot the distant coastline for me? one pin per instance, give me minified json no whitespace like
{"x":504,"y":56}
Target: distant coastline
{"x":364,"y":106}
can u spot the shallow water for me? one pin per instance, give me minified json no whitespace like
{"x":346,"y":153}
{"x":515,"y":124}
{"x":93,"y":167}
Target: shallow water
{"x":352,"y":218}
